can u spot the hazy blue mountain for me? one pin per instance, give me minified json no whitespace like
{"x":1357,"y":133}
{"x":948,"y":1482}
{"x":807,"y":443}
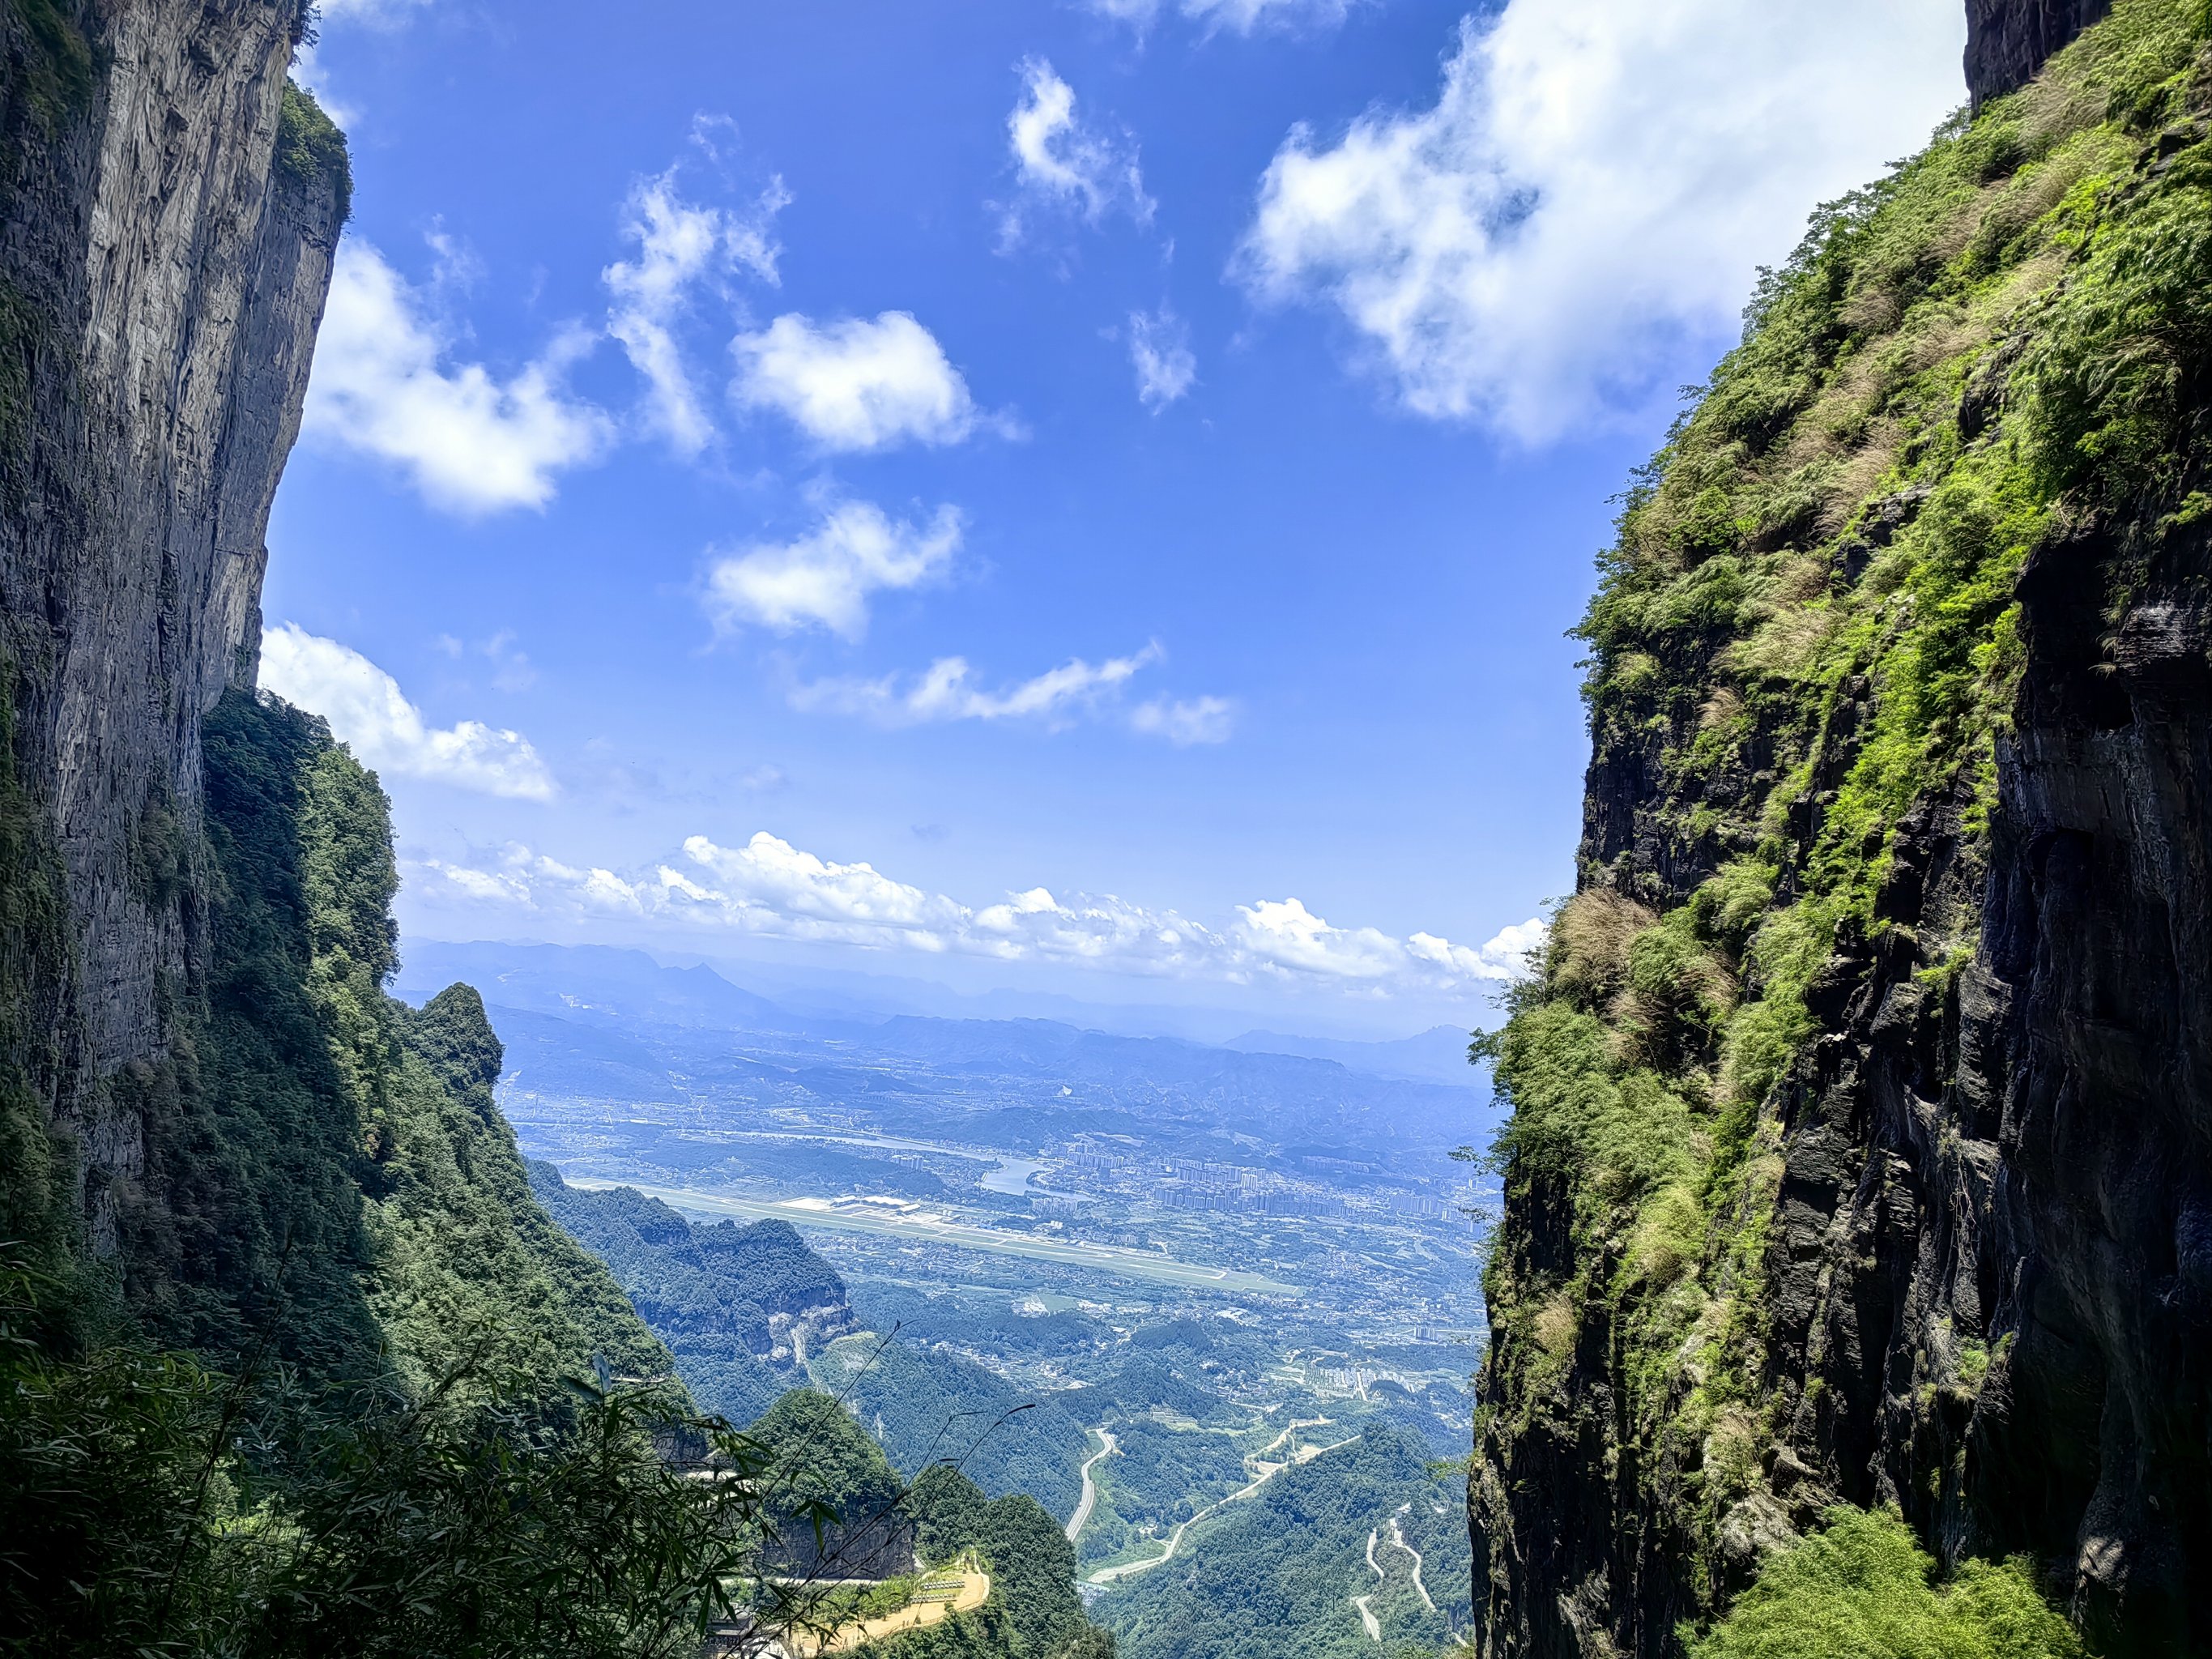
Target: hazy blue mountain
{"x":1435,"y":1056}
{"x":607,"y":1024}
{"x":588,"y":981}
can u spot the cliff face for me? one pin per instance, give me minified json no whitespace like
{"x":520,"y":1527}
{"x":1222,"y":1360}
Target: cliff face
{"x":2008,"y":40}
{"x":162,"y":284}
{"x":1861,"y":1149}
{"x":204,"y":1090}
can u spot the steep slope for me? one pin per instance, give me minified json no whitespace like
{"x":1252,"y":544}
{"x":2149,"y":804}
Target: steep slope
{"x":162,"y":277}
{"x":326,"y":1167}
{"x":206,"y":1099}
{"x":846,"y":1514}
{"x":250,"y":1206}
{"x":1861,"y":1113}
{"x":928,"y":1405}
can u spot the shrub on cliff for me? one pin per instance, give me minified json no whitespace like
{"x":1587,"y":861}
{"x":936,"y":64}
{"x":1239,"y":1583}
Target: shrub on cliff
{"x":1862,"y":1589}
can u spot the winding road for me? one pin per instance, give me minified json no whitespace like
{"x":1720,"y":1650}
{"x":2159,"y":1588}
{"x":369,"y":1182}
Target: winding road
{"x":1398,"y":1538}
{"x":1367,"y":1617}
{"x":1076,"y":1521}
{"x":1299,"y":1456}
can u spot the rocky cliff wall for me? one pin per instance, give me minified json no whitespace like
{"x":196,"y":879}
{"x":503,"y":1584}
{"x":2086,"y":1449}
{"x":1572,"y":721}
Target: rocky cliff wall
{"x":163,"y":280}
{"x":2008,"y":40}
{"x":1862,"y":1145}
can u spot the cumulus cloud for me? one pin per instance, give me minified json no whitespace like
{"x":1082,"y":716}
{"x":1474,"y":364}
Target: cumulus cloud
{"x":856,"y":385}
{"x":825,"y":578}
{"x":680,"y":246}
{"x":1591,"y":191}
{"x":1159,"y":349}
{"x":768,"y":886}
{"x":472,"y":444}
{"x":367,"y":709}
{"x":1063,"y":164}
{"x":947,"y":690}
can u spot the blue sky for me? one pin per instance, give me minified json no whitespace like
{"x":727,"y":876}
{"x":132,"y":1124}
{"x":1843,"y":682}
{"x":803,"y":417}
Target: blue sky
{"x":1079,"y":496}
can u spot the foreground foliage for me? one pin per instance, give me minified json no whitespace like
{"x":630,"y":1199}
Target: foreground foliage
{"x":316,"y":1402}
{"x":1863,"y":1589}
{"x":156,"y":1506}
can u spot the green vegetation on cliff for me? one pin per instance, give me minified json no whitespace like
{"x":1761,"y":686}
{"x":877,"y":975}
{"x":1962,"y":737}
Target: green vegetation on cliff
{"x":344,"y":1403}
{"x":1804,"y":654}
{"x":37,"y":1165}
{"x":930,"y":1404}
{"x":1862,"y":1589}
{"x":838,"y":1509}
{"x":711,"y":1293}
{"x":1032,"y":1568}
{"x":330,"y":1177}
{"x":311,"y":151}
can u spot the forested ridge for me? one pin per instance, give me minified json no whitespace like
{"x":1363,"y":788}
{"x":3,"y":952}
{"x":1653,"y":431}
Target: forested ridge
{"x":335,"y":1392}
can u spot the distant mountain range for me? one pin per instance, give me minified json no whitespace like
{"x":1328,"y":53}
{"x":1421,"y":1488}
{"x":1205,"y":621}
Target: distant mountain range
{"x":810,"y":994}
{"x":588,"y":1022}
{"x":1435,"y":1056}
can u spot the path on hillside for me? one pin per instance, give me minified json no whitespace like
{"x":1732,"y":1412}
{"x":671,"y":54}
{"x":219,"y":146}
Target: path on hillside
{"x":1296,"y":1423}
{"x":1075,"y":1522}
{"x":1398,"y":1537}
{"x":1299,"y":1456}
{"x":974,"y":1590}
{"x":1367,"y":1617}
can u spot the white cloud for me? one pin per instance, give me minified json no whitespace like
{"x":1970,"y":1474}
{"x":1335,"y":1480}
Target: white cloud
{"x":470,"y":443}
{"x":1062,"y":165}
{"x":1240,"y":16}
{"x":1592,"y":190}
{"x":767,"y":886}
{"x":824,"y":577}
{"x":947,"y":691}
{"x":1183,"y":722}
{"x":367,"y":11}
{"x":1159,"y":348}
{"x":856,"y":385}
{"x":368,"y":711}
{"x":681,"y":245}
{"x":1506,"y":955}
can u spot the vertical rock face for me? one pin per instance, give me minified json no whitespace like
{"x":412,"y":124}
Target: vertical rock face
{"x":2008,"y":40}
{"x":2092,"y":1047}
{"x":162,"y":281}
{"x":1863,"y":1139}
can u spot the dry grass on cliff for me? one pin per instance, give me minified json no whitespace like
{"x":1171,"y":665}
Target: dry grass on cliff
{"x":1589,"y":944}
